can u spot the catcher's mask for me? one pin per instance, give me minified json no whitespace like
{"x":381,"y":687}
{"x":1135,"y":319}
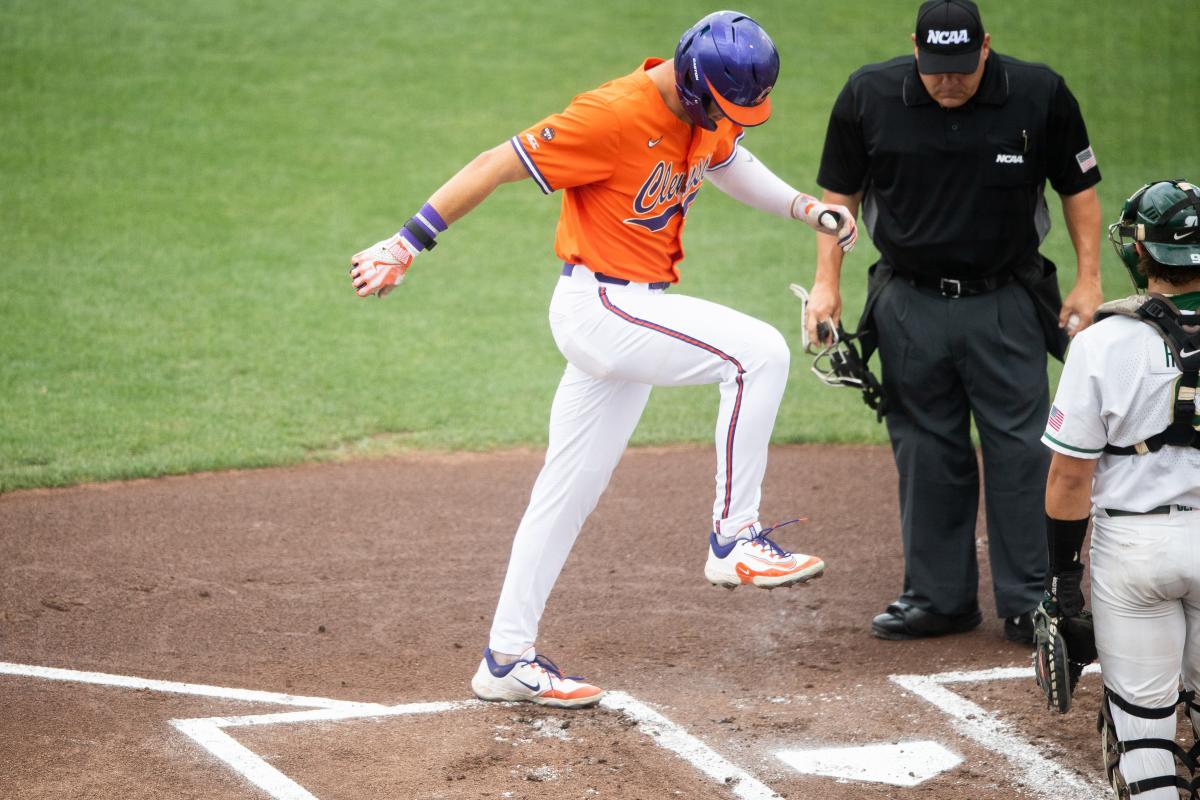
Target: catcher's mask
{"x":837,"y":360}
{"x":1165,"y":217}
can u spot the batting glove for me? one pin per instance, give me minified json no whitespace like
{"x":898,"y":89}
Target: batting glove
{"x":381,"y":267}
{"x":824,"y":218}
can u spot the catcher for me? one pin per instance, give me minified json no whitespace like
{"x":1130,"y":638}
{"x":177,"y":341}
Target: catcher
{"x":1126,"y":442}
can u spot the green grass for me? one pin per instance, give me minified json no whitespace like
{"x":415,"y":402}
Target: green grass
{"x":181,"y":186}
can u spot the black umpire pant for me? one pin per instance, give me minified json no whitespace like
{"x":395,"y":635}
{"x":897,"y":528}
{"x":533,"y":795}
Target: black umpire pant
{"x":944,"y":359}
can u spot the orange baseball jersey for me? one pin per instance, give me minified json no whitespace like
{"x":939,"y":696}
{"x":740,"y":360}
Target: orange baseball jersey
{"x":630,"y":170}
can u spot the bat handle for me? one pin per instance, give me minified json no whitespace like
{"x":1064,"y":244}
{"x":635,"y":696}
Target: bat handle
{"x":830,"y":219}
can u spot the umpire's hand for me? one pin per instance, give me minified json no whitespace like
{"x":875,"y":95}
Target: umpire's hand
{"x":1079,"y":307}
{"x":824,"y":305}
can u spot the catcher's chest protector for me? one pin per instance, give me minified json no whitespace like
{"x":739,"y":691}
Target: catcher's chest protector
{"x":1183,"y":339}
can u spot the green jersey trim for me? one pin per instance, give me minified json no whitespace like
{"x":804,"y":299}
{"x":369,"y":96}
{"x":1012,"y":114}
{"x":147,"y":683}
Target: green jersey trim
{"x":1188,"y":301}
{"x":1071,"y":447}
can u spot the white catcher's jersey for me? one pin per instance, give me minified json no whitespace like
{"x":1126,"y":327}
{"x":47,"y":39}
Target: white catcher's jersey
{"x":1118,"y":387}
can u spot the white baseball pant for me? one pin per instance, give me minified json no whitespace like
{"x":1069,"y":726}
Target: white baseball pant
{"x":619,"y":341}
{"x":1146,"y":607}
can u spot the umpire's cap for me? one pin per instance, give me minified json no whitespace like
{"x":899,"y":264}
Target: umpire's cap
{"x":949,"y":36}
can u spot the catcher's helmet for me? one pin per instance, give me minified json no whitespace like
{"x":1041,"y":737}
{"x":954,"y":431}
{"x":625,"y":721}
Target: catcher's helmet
{"x":727,"y":59}
{"x":1165,"y":217}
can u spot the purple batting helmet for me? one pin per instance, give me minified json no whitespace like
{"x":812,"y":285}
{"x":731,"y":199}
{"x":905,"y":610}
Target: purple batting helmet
{"x":727,"y":59}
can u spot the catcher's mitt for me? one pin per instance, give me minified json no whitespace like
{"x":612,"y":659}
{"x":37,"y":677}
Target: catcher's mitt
{"x":1063,"y":647}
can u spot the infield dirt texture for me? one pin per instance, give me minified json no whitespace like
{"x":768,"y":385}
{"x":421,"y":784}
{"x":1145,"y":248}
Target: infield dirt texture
{"x":374,"y":581}
{"x":181,"y":188}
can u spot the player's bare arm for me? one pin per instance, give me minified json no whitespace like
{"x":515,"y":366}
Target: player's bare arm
{"x":1082,"y":213}
{"x":472,"y":184}
{"x":1069,"y":487}
{"x":382,"y":266}
{"x":825,"y":299}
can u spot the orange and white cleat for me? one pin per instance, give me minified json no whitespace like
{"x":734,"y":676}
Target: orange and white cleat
{"x":759,"y":561}
{"x":532,"y":679}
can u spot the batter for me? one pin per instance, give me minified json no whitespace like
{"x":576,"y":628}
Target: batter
{"x":631,"y":157}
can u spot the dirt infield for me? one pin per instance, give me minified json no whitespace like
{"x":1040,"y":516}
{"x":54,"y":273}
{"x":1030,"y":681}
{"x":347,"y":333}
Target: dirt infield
{"x":374,"y":582}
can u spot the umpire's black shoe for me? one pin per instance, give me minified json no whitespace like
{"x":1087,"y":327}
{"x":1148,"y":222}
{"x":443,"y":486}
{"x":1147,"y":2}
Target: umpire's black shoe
{"x":1019,"y":629}
{"x":902,"y":620}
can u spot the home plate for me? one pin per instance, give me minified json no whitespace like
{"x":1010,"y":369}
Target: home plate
{"x":904,"y":764}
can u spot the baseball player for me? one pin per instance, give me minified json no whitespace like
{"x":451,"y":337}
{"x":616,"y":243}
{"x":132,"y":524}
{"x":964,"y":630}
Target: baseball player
{"x":630,"y":157}
{"x":1126,"y":442}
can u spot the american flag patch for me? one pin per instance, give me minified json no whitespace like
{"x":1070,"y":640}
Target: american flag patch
{"x":1086,"y":159}
{"x":1056,"y":418}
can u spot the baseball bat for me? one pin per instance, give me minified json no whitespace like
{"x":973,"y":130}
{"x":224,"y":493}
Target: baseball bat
{"x":830,"y":219}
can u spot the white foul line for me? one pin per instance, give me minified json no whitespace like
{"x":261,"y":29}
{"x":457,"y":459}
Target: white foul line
{"x":207,"y":732}
{"x":1032,"y":769}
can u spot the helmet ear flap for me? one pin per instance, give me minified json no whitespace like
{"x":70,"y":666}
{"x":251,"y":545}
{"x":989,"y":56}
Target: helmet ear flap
{"x":1127,"y":226}
{"x":689,"y":78}
{"x":1129,"y":256}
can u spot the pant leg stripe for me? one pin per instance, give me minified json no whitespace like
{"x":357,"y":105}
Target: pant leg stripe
{"x":733,"y":418}
{"x":737,"y":405}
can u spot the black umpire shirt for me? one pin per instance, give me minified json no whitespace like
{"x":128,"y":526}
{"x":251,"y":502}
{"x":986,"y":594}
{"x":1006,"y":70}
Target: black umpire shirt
{"x":957,"y":193}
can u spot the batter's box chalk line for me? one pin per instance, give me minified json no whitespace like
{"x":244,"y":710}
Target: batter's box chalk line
{"x":1030,"y":767}
{"x":209,"y":732}
{"x":1033,"y":770}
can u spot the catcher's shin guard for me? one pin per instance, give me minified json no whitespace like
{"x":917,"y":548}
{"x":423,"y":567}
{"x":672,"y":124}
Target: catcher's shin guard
{"x":1114,"y":748}
{"x":1193,"y":712}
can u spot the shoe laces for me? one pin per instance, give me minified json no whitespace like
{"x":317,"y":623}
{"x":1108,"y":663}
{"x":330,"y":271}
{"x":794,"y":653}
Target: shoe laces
{"x":550,"y":668}
{"x":761,"y":539}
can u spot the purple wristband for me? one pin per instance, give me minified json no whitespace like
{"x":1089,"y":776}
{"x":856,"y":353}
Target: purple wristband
{"x":429,"y":216}
{"x":422,"y":229}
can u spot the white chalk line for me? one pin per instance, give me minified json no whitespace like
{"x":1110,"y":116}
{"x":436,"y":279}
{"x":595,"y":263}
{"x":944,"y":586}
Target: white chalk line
{"x":1032,"y":769}
{"x":128,"y":682}
{"x":1040,"y":774}
{"x":346,"y":712}
{"x":674,"y":738}
{"x":208,"y":731}
{"x":241,"y":759}
{"x":995,"y":674}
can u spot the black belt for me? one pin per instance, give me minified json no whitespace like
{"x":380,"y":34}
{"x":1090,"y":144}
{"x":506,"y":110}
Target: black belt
{"x":958,"y":287}
{"x":600,"y":276}
{"x":1116,"y":512}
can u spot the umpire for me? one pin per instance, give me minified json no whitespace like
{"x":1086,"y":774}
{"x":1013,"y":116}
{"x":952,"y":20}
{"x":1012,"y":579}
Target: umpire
{"x":948,"y":151}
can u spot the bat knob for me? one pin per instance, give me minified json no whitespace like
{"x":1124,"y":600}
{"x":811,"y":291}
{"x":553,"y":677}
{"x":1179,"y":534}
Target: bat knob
{"x":830,"y":219}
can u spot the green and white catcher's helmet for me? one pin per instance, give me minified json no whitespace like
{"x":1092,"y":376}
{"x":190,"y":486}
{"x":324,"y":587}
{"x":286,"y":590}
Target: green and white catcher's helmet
{"x":1165,"y":217}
